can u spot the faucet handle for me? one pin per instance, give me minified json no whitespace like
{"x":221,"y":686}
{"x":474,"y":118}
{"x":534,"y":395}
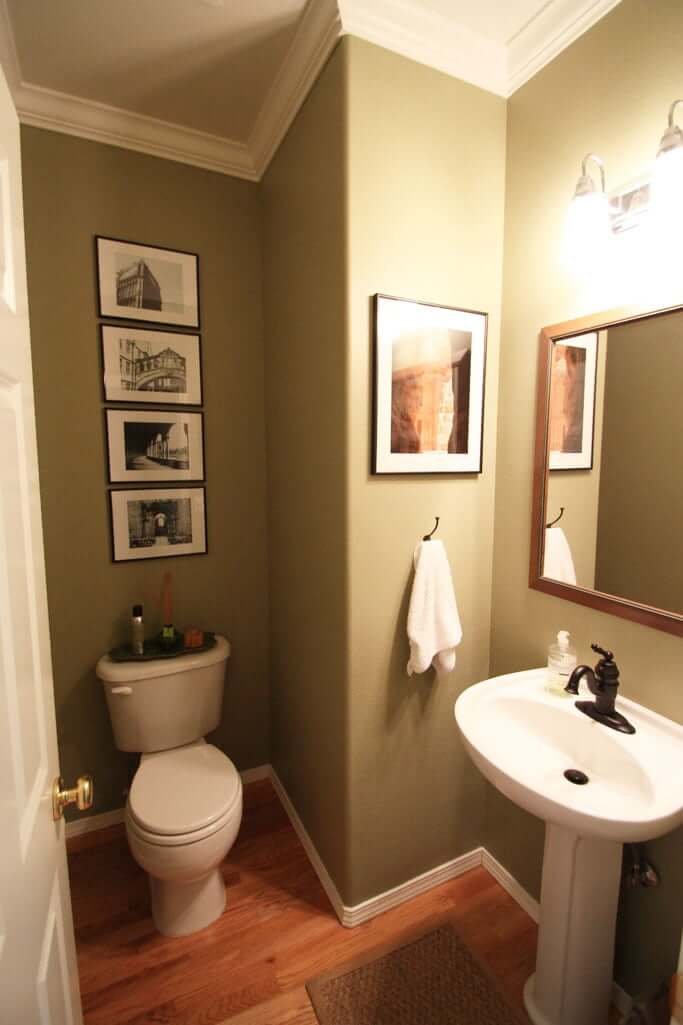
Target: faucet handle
{"x":607,"y":671}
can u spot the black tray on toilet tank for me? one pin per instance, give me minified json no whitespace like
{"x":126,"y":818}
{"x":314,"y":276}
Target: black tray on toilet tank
{"x":157,"y":648}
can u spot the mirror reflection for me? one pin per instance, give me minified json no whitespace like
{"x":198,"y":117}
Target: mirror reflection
{"x":614,"y":497}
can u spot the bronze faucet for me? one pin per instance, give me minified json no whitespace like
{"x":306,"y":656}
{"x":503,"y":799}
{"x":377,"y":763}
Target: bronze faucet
{"x":603,"y":682}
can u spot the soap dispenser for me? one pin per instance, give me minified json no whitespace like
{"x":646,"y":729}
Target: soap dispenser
{"x":561,"y":660}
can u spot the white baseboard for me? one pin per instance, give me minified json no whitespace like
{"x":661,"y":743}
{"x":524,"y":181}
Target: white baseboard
{"x":92,"y":823}
{"x":308,"y":845}
{"x":621,"y":1000}
{"x":358,"y":913}
{"x":255,"y":774}
{"x":510,"y":884}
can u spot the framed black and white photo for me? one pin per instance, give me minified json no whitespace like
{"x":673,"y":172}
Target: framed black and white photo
{"x":149,"y":283}
{"x":152,"y":445}
{"x":571,"y":414}
{"x":429,"y":387}
{"x":141,"y":365}
{"x":157,"y":523}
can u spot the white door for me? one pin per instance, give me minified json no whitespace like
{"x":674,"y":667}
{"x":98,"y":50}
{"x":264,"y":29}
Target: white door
{"x":38,"y":977}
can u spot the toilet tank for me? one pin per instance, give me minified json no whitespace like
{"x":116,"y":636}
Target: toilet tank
{"x":166,"y":702}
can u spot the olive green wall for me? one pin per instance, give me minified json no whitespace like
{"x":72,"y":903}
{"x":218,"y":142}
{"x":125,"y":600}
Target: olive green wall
{"x":74,"y":190}
{"x":426,"y":192}
{"x":304,"y":217}
{"x":609,"y":92}
{"x":640,"y":533}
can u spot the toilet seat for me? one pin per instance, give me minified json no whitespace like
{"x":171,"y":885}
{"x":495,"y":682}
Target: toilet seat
{"x":183,"y":795}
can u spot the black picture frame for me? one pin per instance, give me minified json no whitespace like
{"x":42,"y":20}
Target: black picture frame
{"x":165,"y":551}
{"x":157,"y":397}
{"x":173,"y":475}
{"x":123,"y":311}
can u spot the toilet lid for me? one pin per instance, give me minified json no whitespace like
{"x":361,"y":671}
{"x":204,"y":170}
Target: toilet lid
{"x":182,"y":790}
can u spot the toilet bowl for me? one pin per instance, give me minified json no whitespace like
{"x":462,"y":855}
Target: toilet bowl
{"x":182,"y":817}
{"x":184,"y":808}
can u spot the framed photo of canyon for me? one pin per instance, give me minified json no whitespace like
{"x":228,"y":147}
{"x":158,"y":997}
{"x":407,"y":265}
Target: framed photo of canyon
{"x":429,"y":373}
{"x":149,"y":283}
{"x":571,"y":414}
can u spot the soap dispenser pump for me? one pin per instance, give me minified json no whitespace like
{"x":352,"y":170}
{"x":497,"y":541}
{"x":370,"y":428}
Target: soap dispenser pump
{"x":561,"y":661}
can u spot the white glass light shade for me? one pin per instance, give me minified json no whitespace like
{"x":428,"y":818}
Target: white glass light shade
{"x":587,"y":230}
{"x":667,"y":189}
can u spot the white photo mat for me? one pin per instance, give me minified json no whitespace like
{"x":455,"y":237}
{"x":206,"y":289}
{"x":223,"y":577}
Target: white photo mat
{"x":150,"y":343}
{"x":393,"y":317}
{"x":174,"y":272}
{"x":152,"y":470}
{"x":582,"y":460}
{"x":125,"y":551}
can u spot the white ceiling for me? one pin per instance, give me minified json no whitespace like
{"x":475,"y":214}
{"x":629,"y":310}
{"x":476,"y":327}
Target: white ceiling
{"x":216,"y":83}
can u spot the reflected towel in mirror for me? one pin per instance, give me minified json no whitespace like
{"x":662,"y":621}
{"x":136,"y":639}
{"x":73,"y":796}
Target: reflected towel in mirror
{"x":558,"y":563}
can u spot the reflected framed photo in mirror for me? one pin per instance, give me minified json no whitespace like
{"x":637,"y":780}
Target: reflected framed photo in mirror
{"x":429,"y":372}
{"x":571,"y":411}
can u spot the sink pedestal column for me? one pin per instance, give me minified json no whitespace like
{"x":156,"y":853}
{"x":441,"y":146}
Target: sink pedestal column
{"x":573,"y":980}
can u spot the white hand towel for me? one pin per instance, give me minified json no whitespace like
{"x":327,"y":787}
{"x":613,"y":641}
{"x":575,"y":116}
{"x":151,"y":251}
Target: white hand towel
{"x":434,"y":628}
{"x":557,"y":557}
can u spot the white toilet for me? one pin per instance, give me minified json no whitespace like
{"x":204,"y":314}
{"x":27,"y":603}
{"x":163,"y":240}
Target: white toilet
{"x":185,"y":803}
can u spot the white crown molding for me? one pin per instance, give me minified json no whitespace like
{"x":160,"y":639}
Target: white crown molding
{"x":315,"y":38}
{"x":551,"y":31}
{"x":71,"y":115}
{"x":402,"y":26}
{"x":424,"y":36}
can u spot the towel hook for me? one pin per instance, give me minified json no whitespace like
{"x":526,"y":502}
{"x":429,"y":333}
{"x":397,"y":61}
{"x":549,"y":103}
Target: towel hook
{"x":556,"y":520}
{"x":428,"y":537}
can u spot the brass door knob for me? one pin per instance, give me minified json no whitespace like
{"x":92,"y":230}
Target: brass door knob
{"x":81,"y":795}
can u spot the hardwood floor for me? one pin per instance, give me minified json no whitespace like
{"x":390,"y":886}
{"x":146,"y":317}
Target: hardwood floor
{"x":278,"y":930}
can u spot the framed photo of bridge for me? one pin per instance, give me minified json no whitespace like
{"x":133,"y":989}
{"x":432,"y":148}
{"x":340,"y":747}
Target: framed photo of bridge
{"x":160,"y":367}
{"x":154,"y":445}
{"x":150,"y":283}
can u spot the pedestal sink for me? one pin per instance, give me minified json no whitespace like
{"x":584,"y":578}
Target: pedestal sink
{"x":524,"y":739}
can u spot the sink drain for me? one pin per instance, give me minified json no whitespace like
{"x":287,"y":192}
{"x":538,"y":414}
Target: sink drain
{"x":576,"y":776}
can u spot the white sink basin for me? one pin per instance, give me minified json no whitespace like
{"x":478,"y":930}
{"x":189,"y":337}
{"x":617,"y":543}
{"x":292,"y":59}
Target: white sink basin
{"x":523,"y":738}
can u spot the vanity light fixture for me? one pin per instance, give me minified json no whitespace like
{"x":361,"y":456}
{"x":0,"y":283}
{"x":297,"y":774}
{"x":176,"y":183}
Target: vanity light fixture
{"x":587,"y":228}
{"x":667,"y":178}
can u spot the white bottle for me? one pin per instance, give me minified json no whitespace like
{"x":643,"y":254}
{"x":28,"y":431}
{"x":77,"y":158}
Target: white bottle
{"x":561,"y":661}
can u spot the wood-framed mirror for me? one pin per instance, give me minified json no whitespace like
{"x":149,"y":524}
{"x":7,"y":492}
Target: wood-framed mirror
{"x":607,"y":514}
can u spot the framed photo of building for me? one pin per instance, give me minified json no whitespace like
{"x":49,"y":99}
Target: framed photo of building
{"x":429,"y":387}
{"x":158,"y":523}
{"x":141,"y":365}
{"x":153,"y":445}
{"x":571,"y":416}
{"x":138,"y":282}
